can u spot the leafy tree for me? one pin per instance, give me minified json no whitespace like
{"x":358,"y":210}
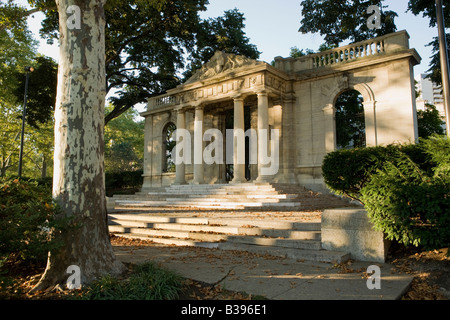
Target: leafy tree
{"x":223,"y":33}
{"x":428,"y":10}
{"x":350,"y":121}
{"x":124,"y":138}
{"x":429,"y":122}
{"x":41,"y":94}
{"x":148,"y":42}
{"x":340,"y":20}
{"x":297,"y":53}
{"x":17,"y":48}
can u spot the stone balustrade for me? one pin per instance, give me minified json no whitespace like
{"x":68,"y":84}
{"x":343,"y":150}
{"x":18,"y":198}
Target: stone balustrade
{"x":384,"y":45}
{"x":159,"y":101}
{"x":350,"y":52}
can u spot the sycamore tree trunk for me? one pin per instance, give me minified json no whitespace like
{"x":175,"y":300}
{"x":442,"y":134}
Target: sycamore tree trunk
{"x":78,"y":178}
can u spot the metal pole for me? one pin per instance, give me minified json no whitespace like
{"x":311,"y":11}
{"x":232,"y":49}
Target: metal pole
{"x":27,"y":69}
{"x":444,"y":62}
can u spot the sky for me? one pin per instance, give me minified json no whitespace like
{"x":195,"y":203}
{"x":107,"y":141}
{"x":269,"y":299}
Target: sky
{"x":272,"y":25}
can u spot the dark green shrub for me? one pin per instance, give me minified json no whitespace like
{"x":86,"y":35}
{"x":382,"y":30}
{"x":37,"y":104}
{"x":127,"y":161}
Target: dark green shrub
{"x":408,"y":205}
{"x":405,"y":188}
{"x":27,"y":215}
{"x":123,"y":179}
{"x":347,"y":171}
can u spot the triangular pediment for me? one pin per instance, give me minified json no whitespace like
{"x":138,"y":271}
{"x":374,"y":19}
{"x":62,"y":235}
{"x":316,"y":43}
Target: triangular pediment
{"x":222,"y":63}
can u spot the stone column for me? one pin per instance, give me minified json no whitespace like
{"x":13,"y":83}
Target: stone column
{"x":180,"y":168}
{"x":330,"y":128}
{"x":148,"y":153}
{"x":263,"y":132}
{"x":198,"y":146}
{"x":222,"y":168}
{"x":371,"y":124}
{"x":239,"y":141}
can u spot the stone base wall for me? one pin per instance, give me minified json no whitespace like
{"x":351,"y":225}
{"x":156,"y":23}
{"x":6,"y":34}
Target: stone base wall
{"x":350,"y":230}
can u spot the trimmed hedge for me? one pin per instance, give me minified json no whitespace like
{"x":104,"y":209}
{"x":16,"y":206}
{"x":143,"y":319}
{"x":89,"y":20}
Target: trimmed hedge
{"x":405,"y":188}
{"x":346,"y":172}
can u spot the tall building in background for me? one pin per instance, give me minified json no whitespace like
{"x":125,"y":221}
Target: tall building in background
{"x":429,"y":93}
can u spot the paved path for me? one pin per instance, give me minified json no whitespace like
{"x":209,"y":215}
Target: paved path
{"x":272,"y":277}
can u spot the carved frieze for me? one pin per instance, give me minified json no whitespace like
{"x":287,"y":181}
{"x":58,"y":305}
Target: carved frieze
{"x":222,"y":62}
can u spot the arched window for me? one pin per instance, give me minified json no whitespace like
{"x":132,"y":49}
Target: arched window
{"x":167,"y":147}
{"x":350,"y":120}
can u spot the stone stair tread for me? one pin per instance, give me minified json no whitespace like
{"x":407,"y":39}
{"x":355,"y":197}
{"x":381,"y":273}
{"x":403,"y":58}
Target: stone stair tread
{"x":157,"y":219}
{"x":299,"y":254}
{"x":276,"y":242}
{"x":173,"y":241}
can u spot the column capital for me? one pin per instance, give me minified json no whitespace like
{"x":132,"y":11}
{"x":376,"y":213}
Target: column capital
{"x":262,"y":92}
{"x":238,"y":97}
{"x":329,"y":109}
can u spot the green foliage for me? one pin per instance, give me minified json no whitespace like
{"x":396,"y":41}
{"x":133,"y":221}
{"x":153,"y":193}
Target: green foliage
{"x":224,"y":33}
{"x":405,"y":188}
{"x":350,"y":120}
{"x":28,"y":221}
{"x":147,"y":282}
{"x":122,"y":180}
{"x":408,"y":205}
{"x":347,"y":171}
{"x":338,"y":21}
{"x":41,"y":94}
{"x":427,"y":9}
{"x":124,"y":140}
{"x":429,"y":122}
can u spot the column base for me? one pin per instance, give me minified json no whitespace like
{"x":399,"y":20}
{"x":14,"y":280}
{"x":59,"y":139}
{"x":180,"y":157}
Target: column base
{"x":238,"y":180}
{"x":262,"y":179}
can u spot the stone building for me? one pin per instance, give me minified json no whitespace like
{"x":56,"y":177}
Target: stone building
{"x":290,"y":105}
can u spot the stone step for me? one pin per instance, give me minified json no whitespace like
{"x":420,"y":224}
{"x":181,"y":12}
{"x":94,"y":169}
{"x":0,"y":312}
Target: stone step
{"x":218,"y":221}
{"x":173,"y":241}
{"x":202,"y":204}
{"x":276,"y":242}
{"x":157,"y":219}
{"x":298,"y":254}
{"x":186,"y":230}
{"x":299,"y":240}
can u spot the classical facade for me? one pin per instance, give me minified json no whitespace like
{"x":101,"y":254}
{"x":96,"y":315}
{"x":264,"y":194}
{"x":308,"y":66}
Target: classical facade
{"x":290,"y":106}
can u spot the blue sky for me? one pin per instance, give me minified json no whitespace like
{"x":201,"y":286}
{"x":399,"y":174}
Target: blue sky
{"x":272,"y":25}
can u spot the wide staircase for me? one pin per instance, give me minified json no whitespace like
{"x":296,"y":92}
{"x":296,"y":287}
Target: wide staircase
{"x":227,"y":196}
{"x":258,"y":218}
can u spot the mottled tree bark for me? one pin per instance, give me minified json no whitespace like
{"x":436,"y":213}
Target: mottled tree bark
{"x":78,"y":178}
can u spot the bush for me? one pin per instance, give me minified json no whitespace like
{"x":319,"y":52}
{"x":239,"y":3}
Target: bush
{"x":123,"y":180}
{"x":408,"y":205}
{"x":27,"y":215}
{"x":346,"y":172}
{"x":405,"y":188}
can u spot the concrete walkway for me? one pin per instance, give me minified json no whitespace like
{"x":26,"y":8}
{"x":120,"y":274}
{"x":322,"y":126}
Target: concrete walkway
{"x":272,"y":277}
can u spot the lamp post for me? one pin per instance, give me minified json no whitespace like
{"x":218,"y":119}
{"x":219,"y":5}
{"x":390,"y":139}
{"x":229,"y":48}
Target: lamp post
{"x":27,"y":70}
{"x":444,"y":62}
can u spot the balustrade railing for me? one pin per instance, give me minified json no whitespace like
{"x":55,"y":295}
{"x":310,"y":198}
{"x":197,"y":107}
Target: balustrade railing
{"x":350,"y":52}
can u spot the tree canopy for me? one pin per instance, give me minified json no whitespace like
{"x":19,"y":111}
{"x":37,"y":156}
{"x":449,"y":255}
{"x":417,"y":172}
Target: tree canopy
{"x":341,"y":20}
{"x":153,"y":46}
